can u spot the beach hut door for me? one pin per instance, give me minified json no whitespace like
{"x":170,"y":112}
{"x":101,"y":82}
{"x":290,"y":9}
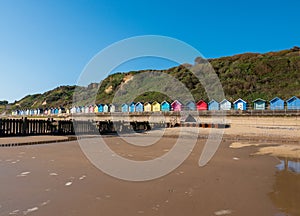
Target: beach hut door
{"x":240,"y":106}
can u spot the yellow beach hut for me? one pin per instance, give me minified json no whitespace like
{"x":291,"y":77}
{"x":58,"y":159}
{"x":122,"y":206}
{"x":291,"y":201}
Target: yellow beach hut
{"x":155,"y":106}
{"x":147,"y":107}
{"x":95,"y":109}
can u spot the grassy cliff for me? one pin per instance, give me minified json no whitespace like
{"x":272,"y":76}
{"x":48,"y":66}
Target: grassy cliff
{"x":248,"y":75}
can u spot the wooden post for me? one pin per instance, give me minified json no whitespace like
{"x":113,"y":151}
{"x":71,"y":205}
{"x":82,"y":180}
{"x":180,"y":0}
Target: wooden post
{"x":1,"y":128}
{"x":24,"y":126}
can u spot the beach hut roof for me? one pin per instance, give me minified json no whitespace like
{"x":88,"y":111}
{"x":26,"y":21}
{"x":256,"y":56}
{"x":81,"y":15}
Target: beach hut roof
{"x":238,"y":100}
{"x":225,"y":101}
{"x":176,"y":101}
{"x":292,"y":98}
{"x":259,"y":99}
{"x":275,"y":98}
{"x":201,"y":101}
{"x":212,"y":101}
{"x":163,"y":102}
{"x":190,"y":102}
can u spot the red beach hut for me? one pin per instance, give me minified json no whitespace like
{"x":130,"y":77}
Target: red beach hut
{"x":201,"y":105}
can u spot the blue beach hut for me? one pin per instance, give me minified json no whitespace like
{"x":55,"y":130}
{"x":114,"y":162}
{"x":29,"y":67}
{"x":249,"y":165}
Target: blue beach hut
{"x":82,"y":109}
{"x":240,"y":104}
{"x":139,"y":107}
{"x":293,"y":103}
{"x":213,"y":105}
{"x":132,"y":107}
{"x":165,"y":106}
{"x":52,"y":111}
{"x":276,"y":104}
{"x":100,"y":107}
{"x":191,"y":106}
{"x":124,"y":107}
{"x":40,"y":111}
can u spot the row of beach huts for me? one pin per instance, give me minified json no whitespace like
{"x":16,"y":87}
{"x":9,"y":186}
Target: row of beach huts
{"x":259,"y":104}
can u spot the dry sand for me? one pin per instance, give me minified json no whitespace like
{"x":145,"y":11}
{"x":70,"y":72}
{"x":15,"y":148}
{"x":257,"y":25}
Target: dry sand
{"x":276,"y":136}
{"x":256,"y":126}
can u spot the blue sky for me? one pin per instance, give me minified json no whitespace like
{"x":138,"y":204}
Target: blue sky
{"x":45,"y":44}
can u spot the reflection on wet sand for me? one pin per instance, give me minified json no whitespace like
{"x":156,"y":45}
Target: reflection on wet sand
{"x":57,"y":179}
{"x":286,"y":189}
{"x":291,"y":165}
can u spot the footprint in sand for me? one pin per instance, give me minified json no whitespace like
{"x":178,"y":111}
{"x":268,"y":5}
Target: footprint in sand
{"x":14,"y":212}
{"x":82,"y":177}
{"x":45,"y":203}
{"x":23,"y":174}
{"x":223,"y":212}
{"x":68,"y":183}
{"x":30,"y":210}
{"x":15,"y":161}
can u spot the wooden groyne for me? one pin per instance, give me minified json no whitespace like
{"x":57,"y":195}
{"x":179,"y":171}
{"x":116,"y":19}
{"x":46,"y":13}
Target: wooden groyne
{"x":30,"y":127}
{"x":26,"y":127}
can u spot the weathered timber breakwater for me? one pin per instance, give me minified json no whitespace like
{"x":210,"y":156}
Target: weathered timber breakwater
{"x":91,"y":123}
{"x":50,"y":126}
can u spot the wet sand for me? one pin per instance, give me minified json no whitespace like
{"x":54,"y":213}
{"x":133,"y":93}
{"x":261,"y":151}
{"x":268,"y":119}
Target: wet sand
{"x":241,"y":178}
{"x":57,"y":179}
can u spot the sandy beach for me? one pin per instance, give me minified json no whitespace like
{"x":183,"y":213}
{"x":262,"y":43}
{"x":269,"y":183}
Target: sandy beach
{"x":241,"y":178}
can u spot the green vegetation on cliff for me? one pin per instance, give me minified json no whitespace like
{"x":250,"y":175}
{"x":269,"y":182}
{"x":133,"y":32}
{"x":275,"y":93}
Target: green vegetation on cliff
{"x":248,"y":76}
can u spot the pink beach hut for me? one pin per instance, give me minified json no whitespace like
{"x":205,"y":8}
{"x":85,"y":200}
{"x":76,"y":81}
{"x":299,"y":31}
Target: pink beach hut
{"x":91,"y":109}
{"x":176,"y":105}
